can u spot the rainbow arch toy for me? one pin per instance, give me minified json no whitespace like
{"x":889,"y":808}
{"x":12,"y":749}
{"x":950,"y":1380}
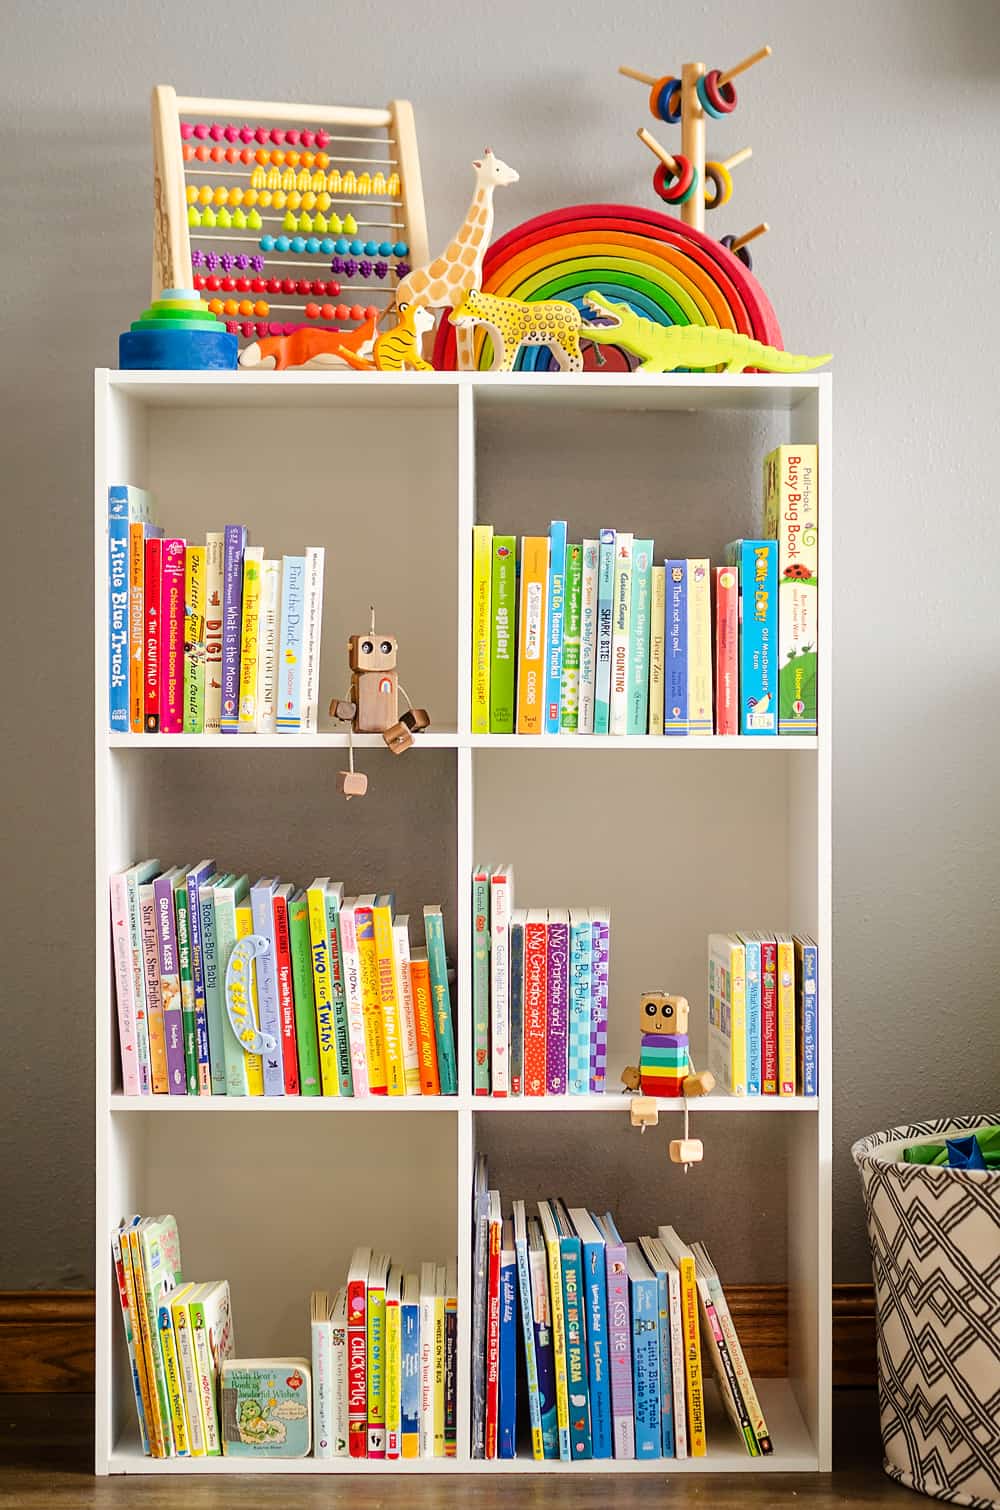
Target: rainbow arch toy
{"x":666,"y":270}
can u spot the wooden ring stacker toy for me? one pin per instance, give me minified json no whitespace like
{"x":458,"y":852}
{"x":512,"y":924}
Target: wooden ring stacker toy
{"x":738,"y":244}
{"x":720,"y":178}
{"x":716,"y":98}
{"x":665,"y":101}
{"x":683,"y":179}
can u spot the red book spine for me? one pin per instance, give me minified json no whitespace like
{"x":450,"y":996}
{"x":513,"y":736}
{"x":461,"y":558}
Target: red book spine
{"x":357,"y":1370}
{"x":535,"y":968}
{"x":151,"y":698}
{"x":493,"y":1341}
{"x":769,"y":1017}
{"x":172,"y":637}
{"x":286,"y":996}
{"x":727,"y":634}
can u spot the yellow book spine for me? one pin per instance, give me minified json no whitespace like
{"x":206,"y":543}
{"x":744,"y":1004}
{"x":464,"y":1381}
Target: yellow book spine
{"x":482,"y":572}
{"x":531,"y":639}
{"x":559,"y":1344}
{"x":175,"y":1388}
{"x":250,"y":638}
{"x":376,"y":1373}
{"x":319,"y":940}
{"x":392,"y":1032}
{"x":255,"y":1064}
{"x":786,"y":1016}
{"x":139,"y":1334}
{"x":393,"y":1379}
{"x":657,"y":628}
{"x":155,"y":1421}
{"x":699,"y":628}
{"x":184,"y":1342}
{"x":692,"y":1358}
{"x":371,"y":1006}
{"x":738,"y":1011}
{"x":439,"y":1376}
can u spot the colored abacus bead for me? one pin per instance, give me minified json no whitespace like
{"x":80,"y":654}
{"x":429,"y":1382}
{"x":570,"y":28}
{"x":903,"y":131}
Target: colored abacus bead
{"x":201,"y":131}
{"x":246,"y":134}
{"x":246,"y":155}
{"x":187,"y":152}
{"x":371,"y":310}
{"x":218,"y":154}
{"x":289,"y":223}
{"x":357,"y":247}
{"x":293,"y":135}
{"x":302,"y":287}
{"x":231,"y":307}
{"x":281,"y":243}
{"x":322,"y":138}
{"x":298,"y":244}
{"x":356,"y":312}
{"x":322,"y":160}
{"x":232,"y":133}
{"x":261,"y":134}
{"x":198,"y":279}
{"x":341,"y":246}
{"x":277,"y":136}
{"x":305,"y":220}
{"x":350,"y":267}
{"x":312,"y":310}
{"x":257,"y":263}
{"x":202,"y":153}
{"x":228,"y":285}
{"x":208,"y":216}
{"x":194,"y":218}
{"x":254,"y":221}
{"x":385,"y":249}
{"x":215,"y":305}
{"x":187,"y":131}
{"x":258,"y":286}
{"x":350,"y":225}
{"x":261,"y":308}
{"x":274,"y":285}
{"x":227,"y":262}
{"x":197,"y":257}
{"x":233,"y":327}
{"x":308,"y":138}
{"x":312,"y":245}
{"x":326,"y":311}
{"x":216,"y":131}
{"x":340,"y":313}
{"x":243,"y":285}
{"x":365,"y":267}
{"x":400,"y":249}
{"x":246,"y":329}
{"x":288,"y":285}
{"x":380,"y":269}
{"x":402,"y":269}
{"x":239,"y":220}
{"x":267,"y":243}
{"x":327,"y":245}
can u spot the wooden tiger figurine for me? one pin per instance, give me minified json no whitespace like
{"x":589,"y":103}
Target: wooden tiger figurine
{"x":398,"y":348}
{"x":512,"y":323}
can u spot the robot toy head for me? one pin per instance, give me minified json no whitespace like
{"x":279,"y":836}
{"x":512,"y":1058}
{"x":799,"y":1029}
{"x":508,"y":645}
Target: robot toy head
{"x":662,"y":1013}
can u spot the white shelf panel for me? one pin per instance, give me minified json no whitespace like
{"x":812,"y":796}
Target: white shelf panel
{"x":666,"y":1105}
{"x":658,"y":742}
{"x":432,"y":739}
{"x":400,"y":1105}
{"x":448,"y":739}
{"x":726,"y":1453}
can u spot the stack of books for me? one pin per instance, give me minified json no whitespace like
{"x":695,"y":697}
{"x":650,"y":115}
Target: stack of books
{"x":353,"y":1009}
{"x":608,"y":1334}
{"x":539,"y":993}
{"x":385,"y":1358}
{"x":601,"y":636}
{"x":208,"y":637}
{"x":763,"y":1013}
{"x":178,"y":1336}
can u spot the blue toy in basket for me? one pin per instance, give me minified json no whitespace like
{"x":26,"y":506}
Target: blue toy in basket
{"x":178,"y":332}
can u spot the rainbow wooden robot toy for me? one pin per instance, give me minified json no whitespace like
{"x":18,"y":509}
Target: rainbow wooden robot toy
{"x":666,"y":1068}
{"x":373,"y":705}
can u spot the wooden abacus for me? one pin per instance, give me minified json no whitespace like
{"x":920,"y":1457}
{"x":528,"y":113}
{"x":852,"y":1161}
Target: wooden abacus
{"x":358,"y":209}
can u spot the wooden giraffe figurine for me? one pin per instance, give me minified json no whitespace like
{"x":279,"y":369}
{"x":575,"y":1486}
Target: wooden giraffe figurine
{"x":441,"y":284}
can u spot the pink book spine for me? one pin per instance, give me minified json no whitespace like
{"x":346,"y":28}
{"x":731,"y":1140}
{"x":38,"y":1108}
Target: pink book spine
{"x":123,"y":985}
{"x":727,"y":633}
{"x":172,"y":637}
{"x":535,"y":963}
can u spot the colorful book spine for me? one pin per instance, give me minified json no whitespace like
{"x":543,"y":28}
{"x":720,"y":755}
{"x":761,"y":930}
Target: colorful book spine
{"x":768,"y":1015}
{"x":600,"y":946}
{"x":754,"y":1034}
{"x":482,"y":562}
{"x":194,"y":640}
{"x":692,"y":1358}
{"x":357,"y":1361}
{"x":555,"y":624}
{"x":557,"y":1003}
{"x":267,"y":654}
{"x":288,"y":719}
{"x":136,"y":877}
{"x":558,"y":1318}
{"x":503,"y":622}
{"x":262,"y":908}
{"x":300,"y":945}
{"x":480,"y":1286}
{"x":235,"y":540}
{"x":131,"y":1340}
{"x":501,"y":904}
{"x":255,"y":1064}
{"x":645,"y":1355}
{"x":409,"y":1390}
{"x":574,"y":1316}
{"x":151,"y":985}
{"x":355,"y":998}
{"x":657,"y":627}
{"x":527,"y":1330}
{"x":569,"y":697}
{"x":667,"y":1443}
{"x":322,"y":1381}
{"x":481,"y":982}
{"x":531,"y":641}
{"x":588,"y":636}
{"x":536,"y":949}
{"x":580,"y":998}
{"x":393,"y":1365}
{"x":214,"y":1009}
{"x":541,"y":1326}
{"x":726,"y":588}
{"x":151,"y":1365}
{"x":315,"y":569}
{"x":151,"y":637}
{"x":791,"y":518}
{"x":757,"y":563}
{"x":170,"y":983}
{"x":375,"y":1323}
{"x":323,"y":995}
{"x":184,"y":1343}
{"x":407,"y":1011}
{"x":444,"y":1031}
{"x":423,"y":1010}
{"x":807,"y":1007}
{"x":785,"y":982}
{"x":364,"y":933}
{"x":214,"y":560}
{"x":172,"y":637}
{"x":605,"y":631}
{"x":174,"y":1386}
{"x":518,"y":918}
{"x":338,"y":990}
{"x":126,"y":505}
{"x":727,"y":1012}
{"x":492,"y":1407}
{"x":507,"y":1404}
{"x":227,"y":895}
{"x":620,"y":634}
{"x":439,"y":1364}
{"x":637,"y":714}
{"x":195,"y":880}
{"x":253,"y":564}
{"x":675,"y":677}
{"x":286,"y":987}
{"x":619,"y":1341}
{"x":389,"y":1002}
{"x":138,"y":535}
{"x":451,"y":1361}
{"x":124,"y":990}
{"x":699,"y":642}
{"x":596,"y":1296}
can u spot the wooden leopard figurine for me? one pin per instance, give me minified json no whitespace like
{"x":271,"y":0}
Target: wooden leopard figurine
{"x":512,"y":323}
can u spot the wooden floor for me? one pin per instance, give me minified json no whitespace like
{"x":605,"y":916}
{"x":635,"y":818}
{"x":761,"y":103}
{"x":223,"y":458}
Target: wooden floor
{"x":46,"y":1452}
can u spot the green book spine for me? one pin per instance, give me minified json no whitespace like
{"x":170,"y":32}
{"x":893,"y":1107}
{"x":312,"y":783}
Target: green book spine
{"x":569,"y":697}
{"x":305,"y":1003}
{"x":481,"y":982}
{"x":503,"y":650}
{"x":188,"y":1017}
{"x":227,"y":899}
{"x":444,"y":1032}
{"x":342,"y":1046}
{"x":638,"y":655}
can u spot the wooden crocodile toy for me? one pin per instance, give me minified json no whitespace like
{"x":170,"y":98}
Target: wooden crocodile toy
{"x":665,"y":348}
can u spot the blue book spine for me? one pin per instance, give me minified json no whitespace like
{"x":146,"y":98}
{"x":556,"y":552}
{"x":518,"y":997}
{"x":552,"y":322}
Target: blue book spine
{"x":288,"y":716}
{"x":507,"y":1409}
{"x":595,"y":1295}
{"x":409,"y":1385}
{"x":605,"y":616}
{"x":580,"y":950}
{"x":262,"y":910}
{"x":757,"y":561}
{"x":638,"y":659}
{"x":213,"y":992}
{"x":545,"y":1367}
{"x":195,"y":880}
{"x":528,"y":1340}
{"x":666,"y":1378}
{"x":575,"y":1327}
{"x":645,"y":1367}
{"x":118,"y":521}
{"x":809,"y":1007}
{"x":235,"y":542}
{"x":516,"y":1058}
{"x":753,"y":1018}
{"x":556,"y":616}
{"x":675,"y":655}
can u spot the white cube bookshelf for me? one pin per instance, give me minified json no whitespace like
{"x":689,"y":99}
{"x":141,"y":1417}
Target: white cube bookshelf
{"x":679,"y":836}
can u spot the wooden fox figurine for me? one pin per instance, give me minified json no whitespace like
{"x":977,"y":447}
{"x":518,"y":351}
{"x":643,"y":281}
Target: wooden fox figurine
{"x":307,"y":347}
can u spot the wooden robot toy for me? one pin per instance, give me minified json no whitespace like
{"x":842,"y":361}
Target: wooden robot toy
{"x":373,"y":706}
{"x":665,"y":1068}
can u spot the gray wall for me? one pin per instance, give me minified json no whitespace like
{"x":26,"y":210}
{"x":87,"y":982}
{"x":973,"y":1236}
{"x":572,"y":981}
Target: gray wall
{"x":875,"y":134}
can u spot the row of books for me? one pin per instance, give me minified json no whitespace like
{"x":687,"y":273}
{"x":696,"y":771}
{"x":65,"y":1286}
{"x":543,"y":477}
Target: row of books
{"x":385,"y":1361}
{"x":208,"y":638}
{"x":763,"y":1013}
{"x":539,"y":993}
{"x":350,"y":1007}
{"x":592,"y":637}
{"x":178,"y":1338}
{"x":605,"y":1335}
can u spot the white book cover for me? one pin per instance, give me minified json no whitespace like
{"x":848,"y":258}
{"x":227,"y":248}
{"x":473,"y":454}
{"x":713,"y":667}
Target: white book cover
{"x":315,"y":560}
{"x":267,"y":654}
{"x":428,"y":1293}
{"x":338,"y":1374}
{"x":501,"y":906}
{"x":620,"y":624}
{"x":588,"y":637}
{"x":215,"y":552}
{"x":322,"y":1374}
{"x":407,"y":1009}
{"x":352,"y":991}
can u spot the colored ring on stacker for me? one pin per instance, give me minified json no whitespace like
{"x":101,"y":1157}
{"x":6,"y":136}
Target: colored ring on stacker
{"x":721,"y":179}
{"x":677,"y":189}
{"x":660,"y":96}
{"x":717,"y":98}
{"x":743,"y":253}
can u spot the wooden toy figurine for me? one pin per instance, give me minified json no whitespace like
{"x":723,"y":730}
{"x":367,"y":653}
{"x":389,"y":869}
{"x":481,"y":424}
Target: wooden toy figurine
{"x":373,"y":705}
{"x":513,"y":323}
{"x":665,"y":1067}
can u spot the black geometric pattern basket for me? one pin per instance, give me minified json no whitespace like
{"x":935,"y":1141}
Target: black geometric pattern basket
{"x":935,"y":1241}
